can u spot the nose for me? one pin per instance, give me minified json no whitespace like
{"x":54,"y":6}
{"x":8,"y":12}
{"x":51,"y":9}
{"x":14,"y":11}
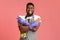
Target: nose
{"x":29,"y":9}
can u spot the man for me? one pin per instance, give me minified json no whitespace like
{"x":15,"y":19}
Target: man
{"x":30,"y":33}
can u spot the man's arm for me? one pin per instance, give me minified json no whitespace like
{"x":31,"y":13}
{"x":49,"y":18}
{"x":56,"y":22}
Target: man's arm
{"x":37,"y":27}
{"x":23,"y":28}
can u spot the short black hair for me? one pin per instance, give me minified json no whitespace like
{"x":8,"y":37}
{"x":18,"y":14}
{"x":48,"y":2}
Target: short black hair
{"x":29,"y":4}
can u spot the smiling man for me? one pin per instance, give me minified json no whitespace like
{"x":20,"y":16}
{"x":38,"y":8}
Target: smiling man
{"x":29,"y":23}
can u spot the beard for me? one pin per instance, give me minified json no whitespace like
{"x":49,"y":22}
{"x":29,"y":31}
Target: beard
{"x":29,"y":14}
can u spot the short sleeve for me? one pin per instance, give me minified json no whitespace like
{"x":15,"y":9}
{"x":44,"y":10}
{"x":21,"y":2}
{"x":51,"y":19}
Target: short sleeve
{"x":38,"y":18}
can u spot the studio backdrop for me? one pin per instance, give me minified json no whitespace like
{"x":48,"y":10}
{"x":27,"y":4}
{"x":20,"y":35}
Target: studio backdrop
{"x":49,"y":10}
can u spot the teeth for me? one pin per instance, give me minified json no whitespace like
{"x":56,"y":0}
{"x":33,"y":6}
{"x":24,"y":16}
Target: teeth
{"x":30,"y":12}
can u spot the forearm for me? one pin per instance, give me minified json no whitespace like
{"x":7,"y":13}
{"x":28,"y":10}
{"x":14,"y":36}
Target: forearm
{"x":35,"y":29}
{"x":24,"y":28}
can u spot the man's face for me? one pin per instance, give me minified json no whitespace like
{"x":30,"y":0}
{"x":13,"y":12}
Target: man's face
{"x":30,"y":9}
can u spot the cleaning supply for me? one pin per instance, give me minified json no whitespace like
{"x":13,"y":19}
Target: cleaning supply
{"x":24,"y":22}
{"x":34,"y":24}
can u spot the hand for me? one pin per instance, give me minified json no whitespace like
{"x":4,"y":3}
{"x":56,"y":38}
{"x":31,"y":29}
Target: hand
{"x":34,"y":24}
{"x":22,"y":21}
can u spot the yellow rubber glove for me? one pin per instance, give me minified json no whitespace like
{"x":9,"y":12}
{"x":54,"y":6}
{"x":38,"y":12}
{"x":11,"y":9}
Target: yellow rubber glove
{"x":22,"y":35}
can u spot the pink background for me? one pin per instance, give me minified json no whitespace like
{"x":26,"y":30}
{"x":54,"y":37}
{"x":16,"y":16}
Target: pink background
{"x":49,"y":10}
